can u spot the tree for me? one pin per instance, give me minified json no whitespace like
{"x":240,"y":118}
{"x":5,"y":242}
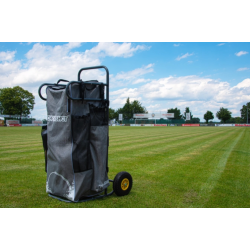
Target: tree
{"x":112,"y":114}
{"x":223,"y":114}
{"x":137,"y":107}
{"x":131,"y":108}
{"x":208,"y":116}
{"x":1,"y":108}
{"x":235,"y":120}
{"x":195,"y":120}
{"x":177,"y":113}
{"x":16,"y":101}
{"x":245,"y":112}
{"x":187,"y":111}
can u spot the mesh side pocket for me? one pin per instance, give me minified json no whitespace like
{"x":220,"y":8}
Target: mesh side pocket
{"x":98,"y":116}
{"x":80,"y":150}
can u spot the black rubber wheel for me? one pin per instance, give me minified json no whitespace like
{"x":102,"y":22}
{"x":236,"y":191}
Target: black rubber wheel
{"x":122,"y":183}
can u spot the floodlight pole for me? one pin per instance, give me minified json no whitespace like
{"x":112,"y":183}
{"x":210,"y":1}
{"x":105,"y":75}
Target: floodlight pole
{"x":247,"y":115}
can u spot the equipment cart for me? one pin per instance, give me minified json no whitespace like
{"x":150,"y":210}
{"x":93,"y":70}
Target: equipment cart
{"x":76,"y":140}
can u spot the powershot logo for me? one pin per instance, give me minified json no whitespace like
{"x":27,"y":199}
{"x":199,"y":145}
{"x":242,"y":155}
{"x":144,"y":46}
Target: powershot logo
{"x":54,"y":118}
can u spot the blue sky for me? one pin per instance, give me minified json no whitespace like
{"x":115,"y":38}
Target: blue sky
{"x":202,"y":76}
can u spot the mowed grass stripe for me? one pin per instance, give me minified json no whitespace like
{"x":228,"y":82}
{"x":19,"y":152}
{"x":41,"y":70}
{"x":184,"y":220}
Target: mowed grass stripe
{"x":165,"y":156}
{"x":212,"y":180}
{"x":157,"y":141}
{"x":141,"y":133}
{"x":18,"y":150}
{"x":147,"y":137}
{"x":161,"y":146}
{"x":232,"y":189}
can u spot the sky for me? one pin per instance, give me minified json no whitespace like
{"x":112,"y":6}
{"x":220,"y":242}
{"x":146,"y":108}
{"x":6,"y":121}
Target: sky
{"x":161,"y":75}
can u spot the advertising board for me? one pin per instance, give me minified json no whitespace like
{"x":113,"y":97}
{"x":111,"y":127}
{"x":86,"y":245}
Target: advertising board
{"x":37,"y":122}
{"x":32,"y":125}
{"x":11,"y":122}
{"x":224,"y":125}
{"x":14,"y":125}
{"x":242,"y":125}
{"x":154,"y":115}
{"x":190,"y":125}
{"x":160,"y":125}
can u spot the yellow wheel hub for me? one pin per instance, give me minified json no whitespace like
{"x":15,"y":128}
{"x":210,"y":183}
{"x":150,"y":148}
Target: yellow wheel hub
{"x":125,"y":184}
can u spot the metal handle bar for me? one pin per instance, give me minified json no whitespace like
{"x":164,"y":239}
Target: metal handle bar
{"x":95,"y":67}
{"x":81,"y":82}
{"x":62,"y":80}
{"x":47,"y":84}
{"x":107,"y":76}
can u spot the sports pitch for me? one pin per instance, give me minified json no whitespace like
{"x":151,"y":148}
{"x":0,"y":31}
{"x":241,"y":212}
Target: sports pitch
{"x":171,"y":167}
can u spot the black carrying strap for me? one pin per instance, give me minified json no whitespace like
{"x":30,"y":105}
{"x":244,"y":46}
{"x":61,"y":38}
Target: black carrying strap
{"x":45,"y":144}
{"x":82,"y":88}
{"x":102,"y":92}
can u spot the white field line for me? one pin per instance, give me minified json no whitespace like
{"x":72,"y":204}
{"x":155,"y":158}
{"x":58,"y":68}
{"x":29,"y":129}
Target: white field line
{"x":211,"y":182}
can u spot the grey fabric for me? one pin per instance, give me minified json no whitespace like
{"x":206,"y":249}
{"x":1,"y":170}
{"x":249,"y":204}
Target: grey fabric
{"x":83,"y":184}
{"x":60,"y":176}
{"x":98,"y":152}
{"x":91,"y":92}
{"x":77,"y":151}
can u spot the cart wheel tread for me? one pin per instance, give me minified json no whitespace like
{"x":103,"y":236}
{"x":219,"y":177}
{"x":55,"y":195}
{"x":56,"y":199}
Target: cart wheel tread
{"x":122,"y":183}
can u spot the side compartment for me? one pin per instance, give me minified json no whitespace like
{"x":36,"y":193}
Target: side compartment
{"x":98,"y":152}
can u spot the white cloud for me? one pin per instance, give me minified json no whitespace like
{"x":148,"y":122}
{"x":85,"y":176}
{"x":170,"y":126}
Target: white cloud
{"x":241,"y":53}
{"x":140,"y":80}
{"x":242,"y":69}
{"x":176,"y":45}
{"x":117,"y":49}
{"x":7,"y":56}
{"x":186,"y":88}
{"x":47,"y":64}
{"x":184,"y":56}
{"x":134,"y":73}
{"x":220,"y":44}
{"x":244,"y":84}
{"x":125,"y":78}
{"x":118,"y":98}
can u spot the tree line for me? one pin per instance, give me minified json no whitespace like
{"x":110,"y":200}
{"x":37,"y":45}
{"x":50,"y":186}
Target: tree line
{"x":223,"y":114}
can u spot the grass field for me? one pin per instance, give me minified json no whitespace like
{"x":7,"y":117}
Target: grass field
{"x":171,"y":167}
